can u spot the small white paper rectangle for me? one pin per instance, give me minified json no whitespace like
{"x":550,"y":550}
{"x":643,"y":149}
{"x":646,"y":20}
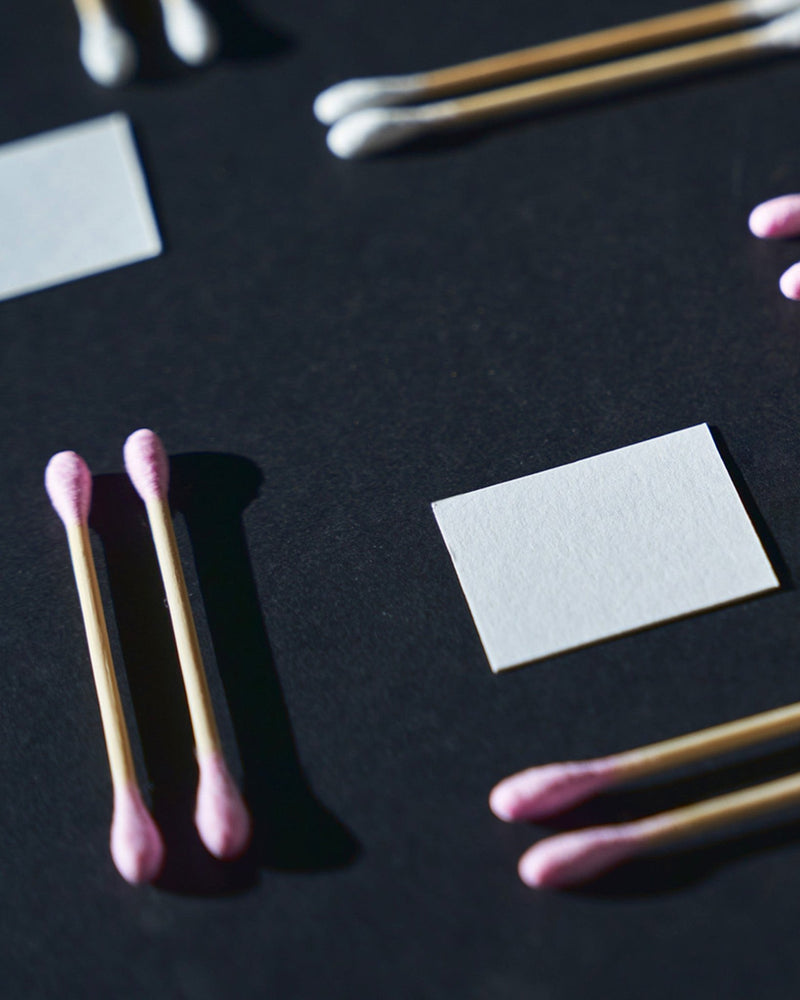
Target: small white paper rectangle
{"x":73,"y":202}
{"x":601,"y":547}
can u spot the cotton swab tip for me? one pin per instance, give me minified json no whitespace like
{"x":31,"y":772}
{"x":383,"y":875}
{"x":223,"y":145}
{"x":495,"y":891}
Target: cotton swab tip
{"x":776,"y":218}
{"x":571,"y":858}
{"x":544,"y":791}
{"x":221,"y":817}
{"x":136,"y":845}
{"x":190,"y":32}
{"x":147,"y":464}
{"x":790,"y":282}
{"x":107,"y":52}
{"x":373,"y":130}
{"x":353,"y":95}
{"x":69,"y":485}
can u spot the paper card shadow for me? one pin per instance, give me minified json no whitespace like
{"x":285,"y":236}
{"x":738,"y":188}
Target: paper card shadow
{"x":293,"y":831}
{"x":677,"y":869}
{"x":243,"y":36}
{"x":779,"y":564}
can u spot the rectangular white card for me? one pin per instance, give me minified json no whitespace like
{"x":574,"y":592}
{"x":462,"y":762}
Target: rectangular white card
{"x":73,"y":202}
{"x":601,"y":547}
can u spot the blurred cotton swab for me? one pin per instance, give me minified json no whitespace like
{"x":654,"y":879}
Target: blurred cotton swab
{"x":779,"y":218}
{"x":543,"y":791}
{"x":221,"y":817}
{"x":374,"y":130}
{"x":381,"y":91}
{"x":570,"y":858}
{"x":191,"y":33}
{"x":136,"y":845}
{"x":107,"y":50}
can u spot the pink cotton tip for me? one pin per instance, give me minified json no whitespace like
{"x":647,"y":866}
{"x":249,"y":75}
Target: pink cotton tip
{"x":147,"y":464}
{"x":778,"y":217}
{"x":790,"y":282}
{"x":544,"y":791}
{"x":571,"y":858}
{"x":136,"y":845}
{"x":69,"y":485}
{"x":221,"y":817}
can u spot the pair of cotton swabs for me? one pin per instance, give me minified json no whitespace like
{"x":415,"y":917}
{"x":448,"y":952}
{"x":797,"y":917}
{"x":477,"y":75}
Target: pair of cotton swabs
{"x":569,"y":858}
{"x":221,"y":817}
{"x":365,"y":122}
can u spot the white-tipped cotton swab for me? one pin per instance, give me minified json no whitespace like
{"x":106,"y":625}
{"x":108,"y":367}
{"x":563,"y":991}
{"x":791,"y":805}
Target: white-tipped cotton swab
{"x":382,"y":91}
{"x":374,"y":130}
{"x":570,"y":858}
{"x":191,"y":33}
{"x":540,"y":792}
{"x":107,"y":50}
{"x":221,"y":816}
{"x":136,"y":844}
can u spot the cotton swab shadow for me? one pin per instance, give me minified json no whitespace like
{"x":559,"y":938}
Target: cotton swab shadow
{"x":293,"y":831}
{"x":243,"y":36}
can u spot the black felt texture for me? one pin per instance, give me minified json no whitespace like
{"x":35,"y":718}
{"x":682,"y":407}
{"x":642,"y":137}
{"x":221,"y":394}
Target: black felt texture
{"x":325,"y":348}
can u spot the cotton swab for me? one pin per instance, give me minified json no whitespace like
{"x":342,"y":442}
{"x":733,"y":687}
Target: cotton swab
{"x":136,"y":844}
{"x":777,"y":218}
{"x":190,"y":32}
{"x":373,"y":130}
{"x":543,"y":791}
{"x":371,"y":92}
{"x":570,"y":858}
{"x":221,"y":817}
{"x":106,"y":50}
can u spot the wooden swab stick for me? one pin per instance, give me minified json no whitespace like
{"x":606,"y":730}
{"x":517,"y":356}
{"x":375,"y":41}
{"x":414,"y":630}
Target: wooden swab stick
{"x":353,"y":95}
{"x":544,"y":791}
{"x":106,"y":50}
{"x":136,"y":845}
{"x":221,"y":816}
{"x":376,"y":129}
{"x":570,"y":858}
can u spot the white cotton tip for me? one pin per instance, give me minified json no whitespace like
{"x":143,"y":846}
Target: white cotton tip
{"x":147,"y":464}
{"x":765,"y":9}
{"x":373,"y":92}
{"x":783,"y":32}
{"x":69,"y":485}
{"x":136,"y":845}
{"x":221,"y":817}
{"x":374,"y":130}
{"x":778,"y":218}
{"x":106,"y":50}
{"x":191,"y":33}
{"x":571,"y":858}
{"x":544,"y":791}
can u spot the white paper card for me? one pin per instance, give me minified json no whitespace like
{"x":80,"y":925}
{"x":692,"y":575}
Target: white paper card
{"x":73,"y":202}
{"x":604,"y":546}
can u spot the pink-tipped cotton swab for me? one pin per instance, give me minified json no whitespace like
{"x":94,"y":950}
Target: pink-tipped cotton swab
{"x":571,"y":858}
{"x":221,"y":816}
{"x":543,"y":791}
{"x":777,"y":218}
{"x":136,"y":844}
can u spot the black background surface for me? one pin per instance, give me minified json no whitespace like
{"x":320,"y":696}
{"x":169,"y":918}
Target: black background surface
{"x":326,"y":348}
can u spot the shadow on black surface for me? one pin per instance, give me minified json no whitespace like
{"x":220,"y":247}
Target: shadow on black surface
{"x":293,"y":831}
{"x":242,"y":37}
{"x":779,"y":564}
{"x":674,"y":870}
